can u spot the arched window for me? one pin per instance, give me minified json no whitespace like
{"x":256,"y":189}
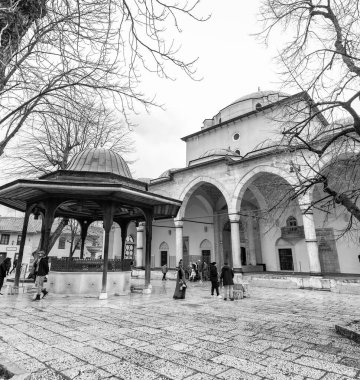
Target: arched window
{"x":258,"y":106}
{"x":129,"y":247}
{"x":62,"y":241}
{"x":291,"y":222}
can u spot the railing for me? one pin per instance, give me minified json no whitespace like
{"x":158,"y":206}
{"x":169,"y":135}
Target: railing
{"x":296,"y":232}
{"x":66,"y":264}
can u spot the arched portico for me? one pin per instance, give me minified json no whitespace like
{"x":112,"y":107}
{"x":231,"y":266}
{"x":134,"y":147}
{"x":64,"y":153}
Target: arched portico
{"x":272,"y":188}
{"x":205,"y":202}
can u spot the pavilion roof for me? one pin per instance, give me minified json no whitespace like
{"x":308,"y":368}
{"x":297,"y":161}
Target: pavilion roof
{"x":80,"y":198}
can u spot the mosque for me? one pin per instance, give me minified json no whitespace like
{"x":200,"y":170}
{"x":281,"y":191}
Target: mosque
{"x":232,"y":172}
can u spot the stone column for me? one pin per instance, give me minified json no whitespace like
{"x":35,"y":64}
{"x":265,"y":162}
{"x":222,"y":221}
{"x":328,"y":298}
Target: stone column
{"x":179,"y":240}
{"x":235,"y":242}
{"x":250,"y":231}
{"x":139,"y":244}
{"x":311,"y":241}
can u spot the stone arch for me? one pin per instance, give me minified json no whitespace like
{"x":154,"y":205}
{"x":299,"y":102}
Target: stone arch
{"x":187,"y":192}
{"x":250,"y":176}
{"x":205,"y":244}
{"x":164,"y":246}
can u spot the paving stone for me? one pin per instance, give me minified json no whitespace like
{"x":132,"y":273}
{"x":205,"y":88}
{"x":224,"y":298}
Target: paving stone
{"x":235,"y":374}
{"x":86,"y":372}
{"x":169,"y":369}
{"x":327,"y":366}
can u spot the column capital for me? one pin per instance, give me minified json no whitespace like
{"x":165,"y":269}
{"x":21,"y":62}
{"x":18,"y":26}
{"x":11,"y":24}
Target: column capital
{"x":178,"y":223}
{"x":234,"y":218}
{"x":140,"y":227}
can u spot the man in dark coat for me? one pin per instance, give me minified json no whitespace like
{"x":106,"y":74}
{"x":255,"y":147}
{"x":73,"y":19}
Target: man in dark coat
{"x":4,"y":271}
{"x":214,"y":278}
{"x":227,"y":275}
{"x":42,"y":269}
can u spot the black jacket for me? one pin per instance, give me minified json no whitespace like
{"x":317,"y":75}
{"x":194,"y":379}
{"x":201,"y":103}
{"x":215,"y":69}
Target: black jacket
{"x":227,"y":275}
{"x":213,"y":273}
{"x":43,"y":267}
{"x":4,"y":268}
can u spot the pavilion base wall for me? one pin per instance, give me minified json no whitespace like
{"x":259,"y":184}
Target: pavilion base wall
{"x":88,"y":283}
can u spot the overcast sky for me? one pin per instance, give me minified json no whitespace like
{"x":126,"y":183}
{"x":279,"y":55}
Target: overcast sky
{"x":232,"y":63}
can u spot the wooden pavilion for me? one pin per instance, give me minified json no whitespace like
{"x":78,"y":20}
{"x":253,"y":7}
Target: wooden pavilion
{"x":96,"y":186}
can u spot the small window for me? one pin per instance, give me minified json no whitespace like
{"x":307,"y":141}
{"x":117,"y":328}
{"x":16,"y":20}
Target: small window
{"x":18,"y":241}
{"x":237,"y":151}
{"x":236,"y":136}
{"x":258,"y":106}
{"x":62,"y":241}
{"x":220,"y":120}
{"x":4,"y":239}
{"x":291,"y":222}
{"x":129,"y":247}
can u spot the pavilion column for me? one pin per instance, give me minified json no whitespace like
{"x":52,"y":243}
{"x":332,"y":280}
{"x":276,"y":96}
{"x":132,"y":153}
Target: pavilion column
{"x":148,"y":233}
{"x":179,"y":240}
{"x":108,"y":212}
{"x":123,"y":227}
{"x":22,"y":245}
{"x":139,"y":244}
{"x":50,"y":208}
{"x":235,"y":242}
{"x":84,"y":230}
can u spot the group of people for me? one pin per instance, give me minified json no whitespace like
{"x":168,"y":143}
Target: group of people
{"x":39,"y":271}
{"x":225,"y":278}
{"x":197,"y":271}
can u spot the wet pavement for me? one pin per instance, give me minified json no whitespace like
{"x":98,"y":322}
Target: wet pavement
{"x":274,"y":334}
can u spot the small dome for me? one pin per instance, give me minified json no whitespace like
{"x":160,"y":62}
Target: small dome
{"x":219,"y":152}
{"x":99,"y":160}
{"x":262,"y":94}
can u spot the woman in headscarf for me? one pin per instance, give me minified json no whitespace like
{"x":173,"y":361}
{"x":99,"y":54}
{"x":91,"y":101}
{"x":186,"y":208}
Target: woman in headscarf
{"x":180,"y":288}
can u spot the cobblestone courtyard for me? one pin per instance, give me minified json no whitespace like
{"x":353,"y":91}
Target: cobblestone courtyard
{"x":274,"y":334}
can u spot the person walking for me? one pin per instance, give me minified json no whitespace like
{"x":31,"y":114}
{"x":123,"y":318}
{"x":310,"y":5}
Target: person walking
{"x":227,"y":275}
{"x":205,"y":271}
{"x":14,"y":265}
{"x":4,"y":271}
{"x":42,"y":269}
{"x":214,"y":278}
{"x":180,"y":288}
{"x":164,"y":270}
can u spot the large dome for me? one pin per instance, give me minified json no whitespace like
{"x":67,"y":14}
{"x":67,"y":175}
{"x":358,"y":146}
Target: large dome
{"x":277,"y":95}
{"x":99,"y":160}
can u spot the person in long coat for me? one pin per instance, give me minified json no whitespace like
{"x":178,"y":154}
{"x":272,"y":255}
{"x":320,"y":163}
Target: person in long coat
{"x":180,"y":288}
{"x":227,"y":275}
{"x":214,"y":278}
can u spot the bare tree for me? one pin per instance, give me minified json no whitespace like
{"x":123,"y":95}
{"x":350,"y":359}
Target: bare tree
{"x":98,"y":47}
{"x":320,"y":56}
{"x":64,"y":129}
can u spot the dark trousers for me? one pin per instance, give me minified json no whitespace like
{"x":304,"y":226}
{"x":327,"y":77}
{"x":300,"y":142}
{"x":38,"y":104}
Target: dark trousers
{"x":164,"y":276}
{"x":214,"y":286}
{"x":1,"y":282}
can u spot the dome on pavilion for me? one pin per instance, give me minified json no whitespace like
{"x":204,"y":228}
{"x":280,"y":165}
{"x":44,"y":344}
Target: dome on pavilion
{"x":99,"y":160}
